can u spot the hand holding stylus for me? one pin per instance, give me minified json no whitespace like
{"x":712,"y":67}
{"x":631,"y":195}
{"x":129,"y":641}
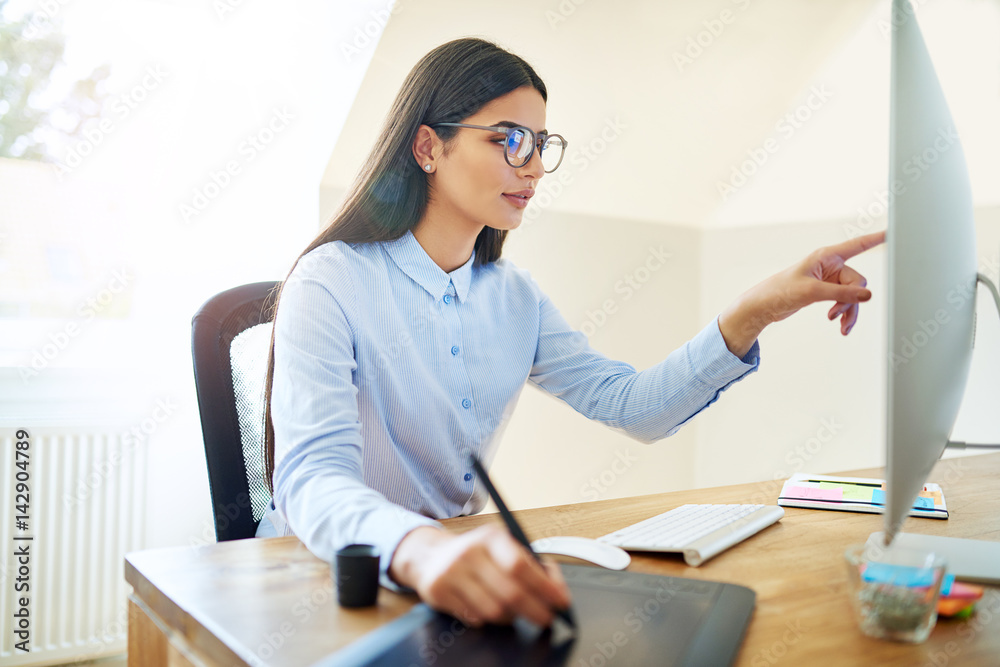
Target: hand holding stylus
{"x":565,"y":613}
{"x":488,"y":575}
{"x":481,"y":576}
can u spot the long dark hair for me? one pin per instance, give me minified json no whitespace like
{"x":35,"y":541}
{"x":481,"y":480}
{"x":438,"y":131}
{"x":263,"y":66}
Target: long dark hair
{"x":389,"y":195}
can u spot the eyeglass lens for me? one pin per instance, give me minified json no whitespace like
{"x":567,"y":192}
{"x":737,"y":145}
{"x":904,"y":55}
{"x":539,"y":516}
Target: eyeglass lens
{"x":519,"y":145}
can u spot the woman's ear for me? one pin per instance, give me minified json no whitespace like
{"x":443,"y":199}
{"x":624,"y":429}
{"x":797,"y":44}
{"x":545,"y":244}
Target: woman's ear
{"x":425,"y":145}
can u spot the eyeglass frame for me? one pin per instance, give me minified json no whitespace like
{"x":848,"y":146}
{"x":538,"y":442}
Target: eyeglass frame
{"x":499,"y":129}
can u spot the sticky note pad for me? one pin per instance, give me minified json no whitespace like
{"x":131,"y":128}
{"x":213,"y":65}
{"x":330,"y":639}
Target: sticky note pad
{"x":878,"y":497}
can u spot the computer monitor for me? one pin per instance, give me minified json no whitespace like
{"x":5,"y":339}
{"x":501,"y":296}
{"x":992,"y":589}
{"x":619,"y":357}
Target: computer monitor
{"x":931,"y":243}
{"x":932,"y":274}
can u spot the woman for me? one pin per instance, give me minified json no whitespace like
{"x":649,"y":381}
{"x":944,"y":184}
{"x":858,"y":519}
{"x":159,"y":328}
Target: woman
{"x":402,"y":341}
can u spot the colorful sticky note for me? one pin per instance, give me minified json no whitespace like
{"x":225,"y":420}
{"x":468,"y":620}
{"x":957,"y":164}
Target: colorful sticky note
{"x":954,"y":606}
{"x":858,"y":493}
{"x":815,"y":493}
{"x":958,"y":589}
{"x":853,"y":492}
{"x":933,"y":495}
{"x":878,"y":498}
{"x":902,"y":575}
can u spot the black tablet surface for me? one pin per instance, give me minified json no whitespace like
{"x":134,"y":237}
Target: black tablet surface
{"x":623,"y":618}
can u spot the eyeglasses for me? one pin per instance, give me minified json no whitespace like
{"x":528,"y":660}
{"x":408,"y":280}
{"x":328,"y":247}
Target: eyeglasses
{"x":520,"y":144}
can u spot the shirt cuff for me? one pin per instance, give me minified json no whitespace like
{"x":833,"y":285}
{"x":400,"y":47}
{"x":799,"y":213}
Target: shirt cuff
{"x":388,"y":547}
{"x":713,"y":363}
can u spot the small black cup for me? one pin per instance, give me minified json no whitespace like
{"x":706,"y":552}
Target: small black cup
{"x":357,"y":575}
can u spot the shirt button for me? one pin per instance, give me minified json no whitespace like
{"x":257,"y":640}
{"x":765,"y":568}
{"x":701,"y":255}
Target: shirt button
{"x":454,"y":349}
{"x":468,"y":476}
{"x":447,"y":298}
{"x":466,"y":403}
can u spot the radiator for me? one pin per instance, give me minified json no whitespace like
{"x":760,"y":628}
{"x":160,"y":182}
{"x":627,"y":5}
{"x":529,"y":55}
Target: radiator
{"x":87,"y":508}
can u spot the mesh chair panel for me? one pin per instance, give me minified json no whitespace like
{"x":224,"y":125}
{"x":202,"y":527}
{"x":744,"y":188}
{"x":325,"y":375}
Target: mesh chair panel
{"x":230,"y":335}
{"x":248,"y":359}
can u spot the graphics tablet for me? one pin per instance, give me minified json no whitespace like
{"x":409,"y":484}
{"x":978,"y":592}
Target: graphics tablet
{"x":623,"y":618}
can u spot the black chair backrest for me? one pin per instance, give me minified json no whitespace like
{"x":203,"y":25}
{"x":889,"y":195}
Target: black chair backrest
{"x":230,"y":336}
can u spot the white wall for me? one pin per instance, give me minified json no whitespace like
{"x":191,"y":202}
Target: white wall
{"x":551,"y":454}
{"x":817,"y":403}
{"x":601,"y":61}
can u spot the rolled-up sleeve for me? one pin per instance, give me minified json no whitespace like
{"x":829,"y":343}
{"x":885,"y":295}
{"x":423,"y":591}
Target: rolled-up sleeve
{"x":318,"y":483}
{"x":646,"y":405}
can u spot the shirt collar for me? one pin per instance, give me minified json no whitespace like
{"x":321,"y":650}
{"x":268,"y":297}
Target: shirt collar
{"x":414,"y":261}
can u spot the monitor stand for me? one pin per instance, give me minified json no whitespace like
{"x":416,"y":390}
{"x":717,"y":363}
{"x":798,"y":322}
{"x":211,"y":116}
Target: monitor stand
{"x":988,"y":284}
{"x":969,"y":560}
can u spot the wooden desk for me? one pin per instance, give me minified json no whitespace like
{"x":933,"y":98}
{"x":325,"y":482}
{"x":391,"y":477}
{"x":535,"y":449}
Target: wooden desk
{"x":271,"y":602}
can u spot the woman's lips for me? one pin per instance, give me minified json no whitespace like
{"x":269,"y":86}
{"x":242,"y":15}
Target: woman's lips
{"x":519,"y":202}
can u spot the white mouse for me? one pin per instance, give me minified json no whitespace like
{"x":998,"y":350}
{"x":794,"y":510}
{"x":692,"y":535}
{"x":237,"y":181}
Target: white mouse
{"x":584,"y":548}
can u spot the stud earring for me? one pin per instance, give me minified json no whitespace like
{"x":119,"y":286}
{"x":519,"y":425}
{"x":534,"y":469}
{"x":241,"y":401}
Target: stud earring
{"x":427,"y":167}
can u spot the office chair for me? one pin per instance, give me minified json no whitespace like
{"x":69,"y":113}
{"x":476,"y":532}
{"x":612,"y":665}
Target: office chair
{"x":230,"y":336}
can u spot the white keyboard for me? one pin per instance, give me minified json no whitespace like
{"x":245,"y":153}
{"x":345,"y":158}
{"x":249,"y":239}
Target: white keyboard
{"x":697,"y":531}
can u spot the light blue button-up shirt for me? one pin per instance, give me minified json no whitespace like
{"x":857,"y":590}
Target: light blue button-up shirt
{"x":389,"y":371}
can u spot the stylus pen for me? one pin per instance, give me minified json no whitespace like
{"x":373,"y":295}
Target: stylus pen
{"x":512,"y":525}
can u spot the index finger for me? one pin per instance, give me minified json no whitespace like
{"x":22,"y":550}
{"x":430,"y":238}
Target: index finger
{"x":542,"y":583}
{"x":528,"y":572}
{"x":858,"y":245}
